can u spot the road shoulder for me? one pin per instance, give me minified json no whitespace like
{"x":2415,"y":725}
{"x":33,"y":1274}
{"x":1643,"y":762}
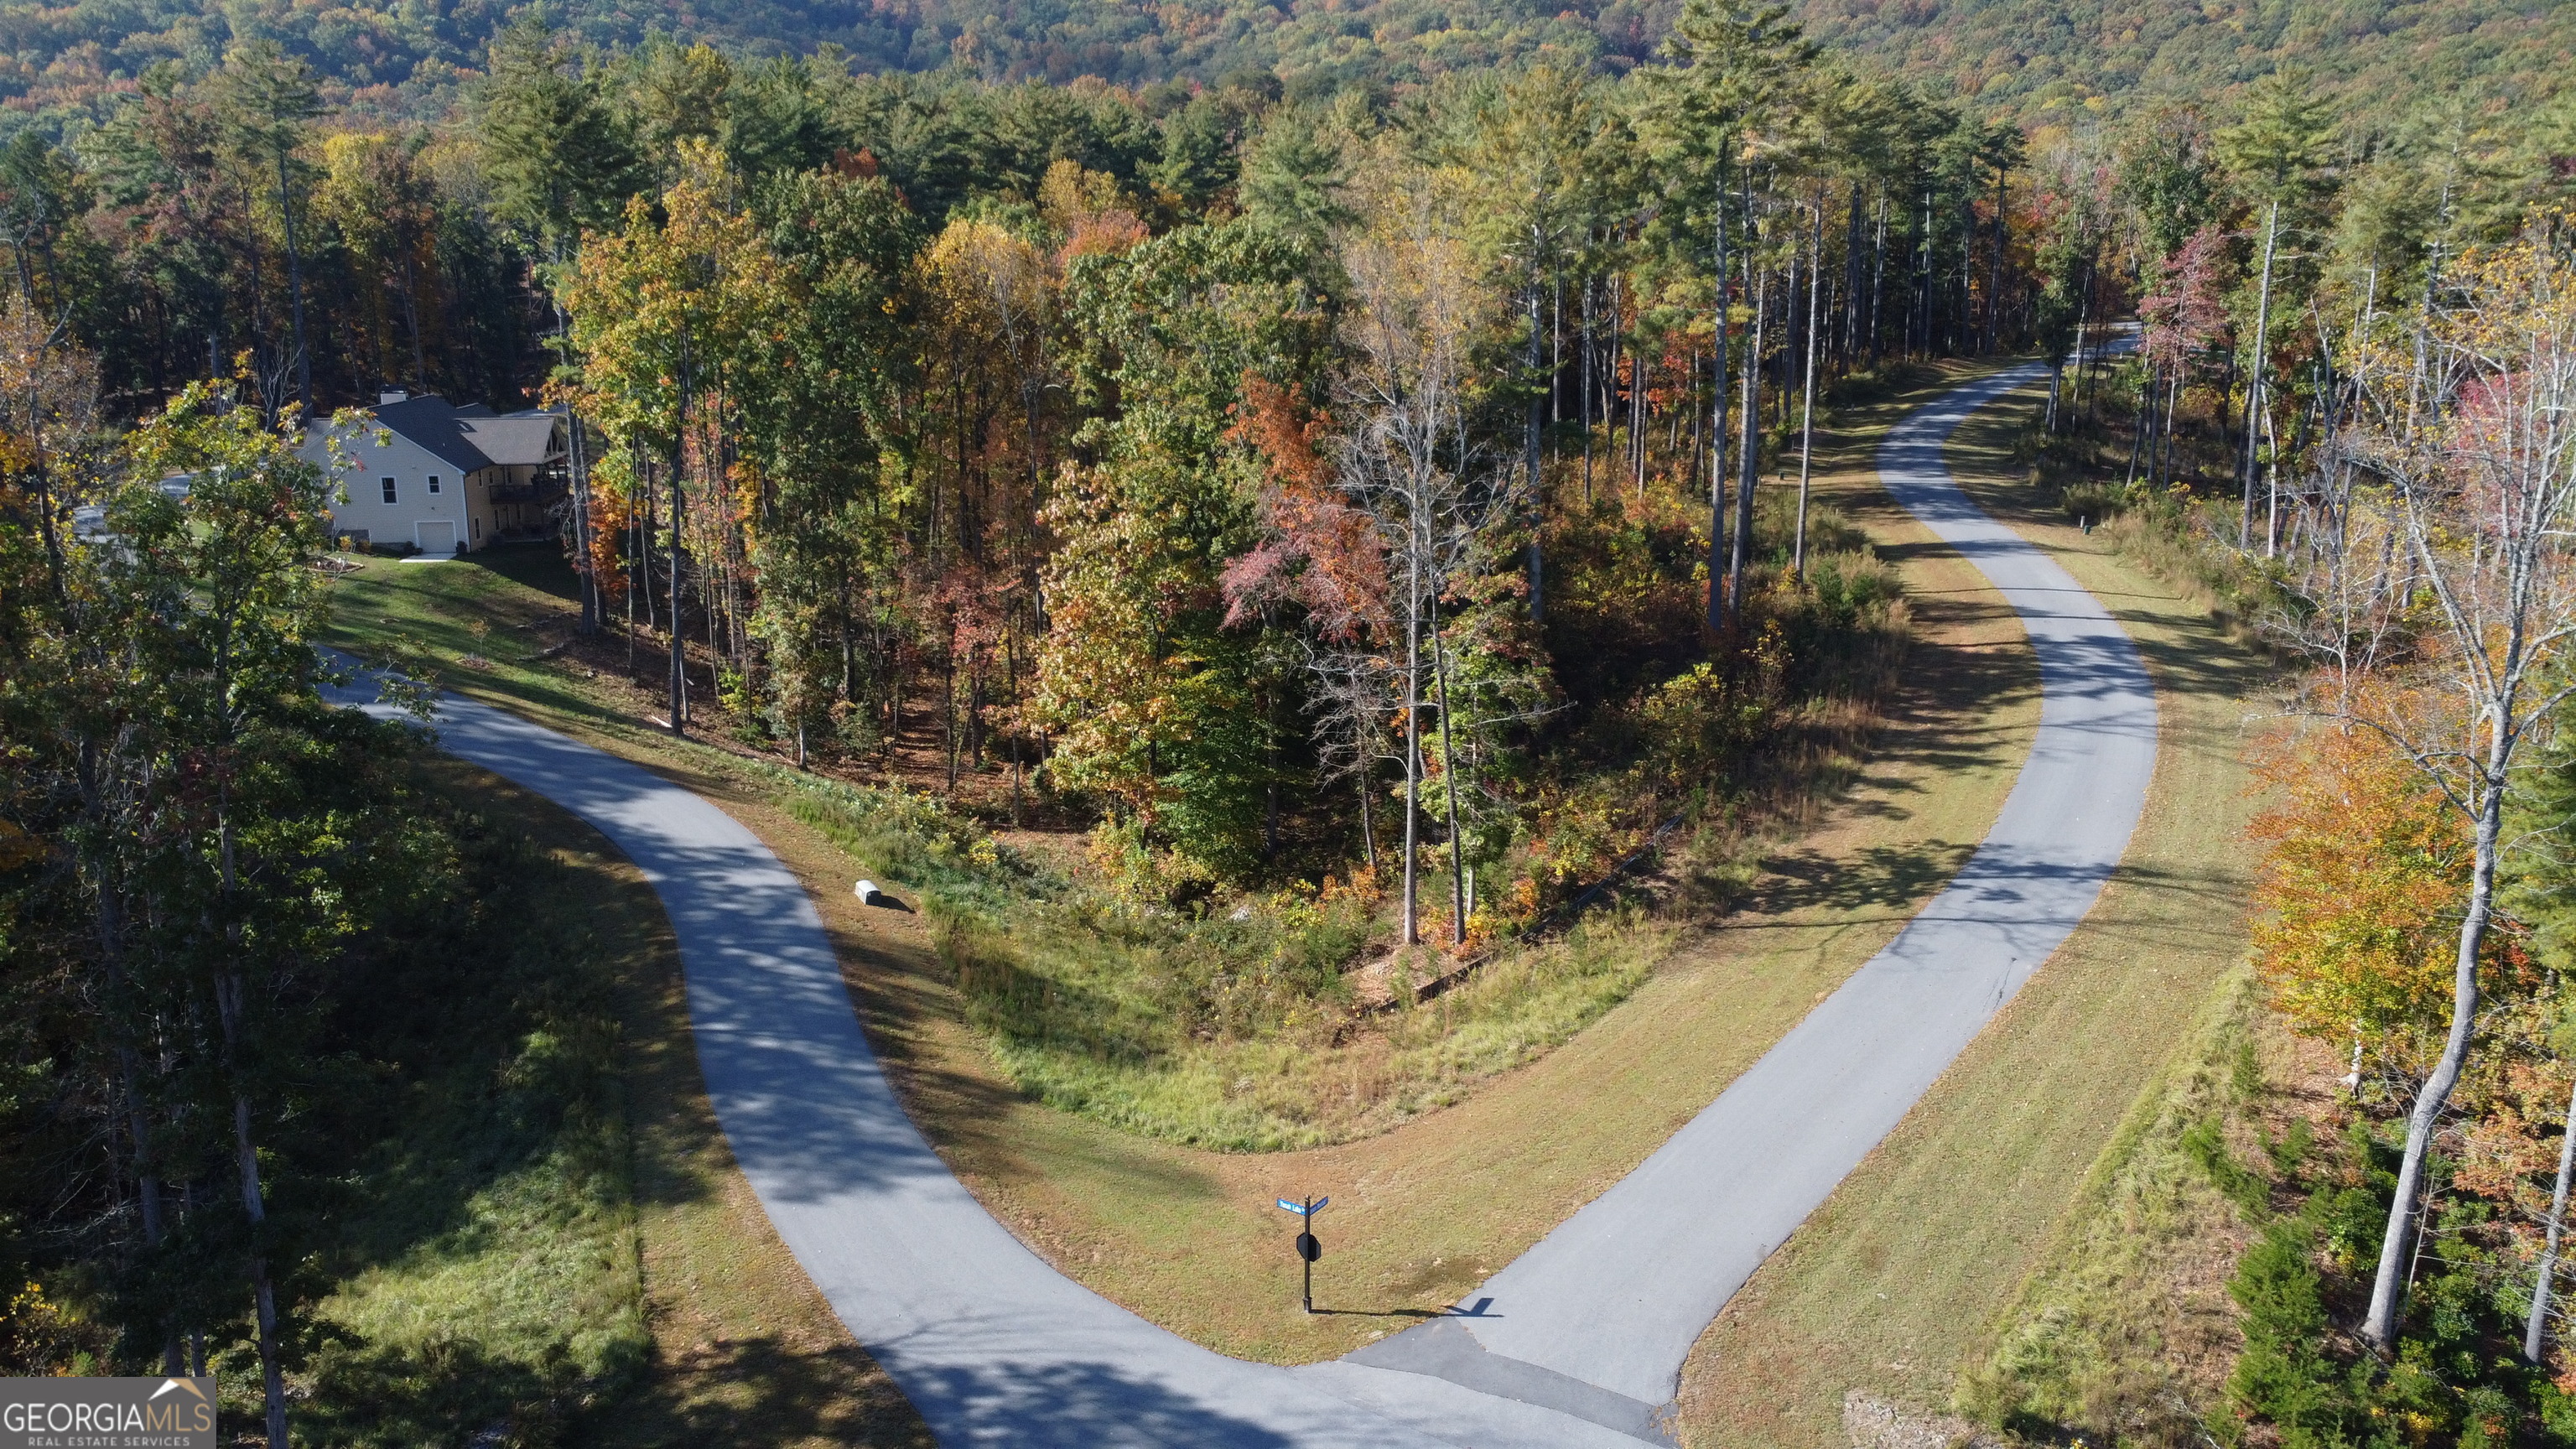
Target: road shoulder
{"x":1897,"y":1283}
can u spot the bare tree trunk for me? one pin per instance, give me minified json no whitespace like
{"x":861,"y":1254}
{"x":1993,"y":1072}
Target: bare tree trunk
{"x":230,"y":1000}
{"x":1368,"y":814}
{"x":2083,"y":332}
{"x":2271,"y":472}
{"x":1749,"y":459}
{"x":1610,"y":349}
{"x":1583,"y":398}
{"x":578,"y":460}
{"x":2424,"y":314}
{"x":295,"y":290}
{"x":2380,"y":1326}
{"x":679,"y":460}
{"x":1640,"y":378}
{"x":1995,"y":270}
{"x":1877,"y":275}
{"x":2138,"y":431}
{"x":1449,"y":778}
{"x":1412,"y":728}
{"x":2254,"y":374}
{"x":2535,"y":1329}
{"x":1530,"y":459}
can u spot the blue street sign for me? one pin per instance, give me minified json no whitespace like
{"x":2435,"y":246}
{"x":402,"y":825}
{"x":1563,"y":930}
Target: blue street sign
{"x":1308,"y":1249}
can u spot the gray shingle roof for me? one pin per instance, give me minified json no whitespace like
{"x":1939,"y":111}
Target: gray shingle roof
{"x":472,"y":437}
{"x":517,"y":440}
{"x":433,"y":424}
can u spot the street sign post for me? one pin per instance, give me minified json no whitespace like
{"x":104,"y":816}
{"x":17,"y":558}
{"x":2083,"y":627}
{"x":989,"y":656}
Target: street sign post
{"x":1309,"y":1248}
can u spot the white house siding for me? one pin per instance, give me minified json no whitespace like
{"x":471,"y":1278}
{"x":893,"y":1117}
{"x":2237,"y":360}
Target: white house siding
{"x":379,"y":455}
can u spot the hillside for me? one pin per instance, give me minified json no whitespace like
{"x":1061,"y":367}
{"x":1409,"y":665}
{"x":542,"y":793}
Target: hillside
{"x":2033,"y":54}
{"x":2044,"y":52}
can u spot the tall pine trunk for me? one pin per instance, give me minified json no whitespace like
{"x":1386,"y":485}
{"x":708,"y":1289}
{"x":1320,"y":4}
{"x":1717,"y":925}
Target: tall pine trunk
{"x":1807,"y":410}
{"x":1717,"y":433}
{"x":1995,"y":271}
{"x":1583,"y":393}
{"x":272,"y":1367}
{"x":1530,"y":459}
{"x":295,"y":290}
{"x":577,"y":465}
{"x":1877,"y":275}
{"x":1412,"y":724}
{"x":1449,"y":779}
{"x":232,"y":999}
{"x":1749,"y":449}
{"x":679,"y":462}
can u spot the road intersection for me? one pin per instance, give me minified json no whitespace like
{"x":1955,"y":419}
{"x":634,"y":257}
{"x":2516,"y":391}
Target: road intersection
{"x":1577,"y":1343}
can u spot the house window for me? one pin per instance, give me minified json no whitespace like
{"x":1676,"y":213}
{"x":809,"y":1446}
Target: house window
{"x":433,"y":483}
{"x":389,"y":490}
{"x":478,"y":528}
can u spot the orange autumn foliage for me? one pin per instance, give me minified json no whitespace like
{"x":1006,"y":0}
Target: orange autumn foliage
{"x":2360,"y":892}
{"x":2509,"y":1153}
{"x":611,"y":514}
{"x":1322,"y":552}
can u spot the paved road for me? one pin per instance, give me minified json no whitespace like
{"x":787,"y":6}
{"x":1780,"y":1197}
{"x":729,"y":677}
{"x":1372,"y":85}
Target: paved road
{"x":989,"y":1342}
{"x":1579,"y":1342}
{"x":1616,"y":1296}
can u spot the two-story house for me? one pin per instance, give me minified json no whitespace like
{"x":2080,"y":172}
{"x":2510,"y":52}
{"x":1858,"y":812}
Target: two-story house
{"x":446,"y":479}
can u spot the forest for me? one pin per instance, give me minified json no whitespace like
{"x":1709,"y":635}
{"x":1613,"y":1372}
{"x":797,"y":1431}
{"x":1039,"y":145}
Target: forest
{"x":68,"y":65}
{"x":1366,"y":514}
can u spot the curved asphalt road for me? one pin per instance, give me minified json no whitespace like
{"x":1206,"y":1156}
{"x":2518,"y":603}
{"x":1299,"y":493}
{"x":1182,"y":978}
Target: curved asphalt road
{"x":1577,"y":1343}
{"x":1616,"y":1296}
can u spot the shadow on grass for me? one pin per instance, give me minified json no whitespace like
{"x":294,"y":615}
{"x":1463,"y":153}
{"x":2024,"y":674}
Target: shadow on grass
{"x":440,"y":1392}
{"x":2181,"y":661}
{"x":760,"y":1390}
{"x":1886,"y":876}
{"x":1897,"y":886}
{"x":539,"y":566}
{"x":481,"y":1158}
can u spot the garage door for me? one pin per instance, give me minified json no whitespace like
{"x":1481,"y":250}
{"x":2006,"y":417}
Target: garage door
{"x":435,"y":538}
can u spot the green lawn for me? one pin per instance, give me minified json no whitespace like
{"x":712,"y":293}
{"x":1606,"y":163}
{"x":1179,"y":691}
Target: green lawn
{"x":548,"y":1238}
{"x":482,"y":1240}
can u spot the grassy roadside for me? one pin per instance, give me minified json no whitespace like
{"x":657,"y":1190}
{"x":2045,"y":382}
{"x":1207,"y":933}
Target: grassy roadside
{"x":560,"y":1249}
{"x":2126,"y":1331}
{"x":745,"y":1351}
{"x":1903,"y":1279}
{"x":1423,"y":1211}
